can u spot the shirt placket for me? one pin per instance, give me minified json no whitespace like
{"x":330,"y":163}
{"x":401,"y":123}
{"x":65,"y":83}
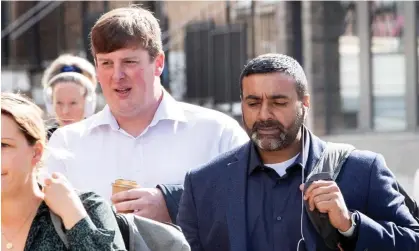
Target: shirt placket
{"x":137,"y":162}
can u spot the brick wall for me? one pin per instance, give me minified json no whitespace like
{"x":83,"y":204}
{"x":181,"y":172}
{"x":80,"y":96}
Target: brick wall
{"x":180,"y":12}
{"x":19,"y":50}
{"x":73,"y":26}
{"x":50,"y":34}
{"x":55,"y":39}
{"x":60,"y":31}
{"x":265,"y":27}
{"x":118,"y":4}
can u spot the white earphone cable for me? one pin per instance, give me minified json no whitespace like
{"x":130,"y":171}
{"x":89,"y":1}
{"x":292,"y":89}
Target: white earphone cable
{"x":302,"y":240}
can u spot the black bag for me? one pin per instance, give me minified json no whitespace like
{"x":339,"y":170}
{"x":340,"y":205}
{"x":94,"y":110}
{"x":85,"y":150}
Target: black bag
{"x":328,"y":168}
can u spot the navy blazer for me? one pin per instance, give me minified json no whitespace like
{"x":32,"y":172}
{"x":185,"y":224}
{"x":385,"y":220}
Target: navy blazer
{"x":212,"y":211}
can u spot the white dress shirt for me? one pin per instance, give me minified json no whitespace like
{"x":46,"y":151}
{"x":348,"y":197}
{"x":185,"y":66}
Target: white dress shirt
{"x":95,"y":152}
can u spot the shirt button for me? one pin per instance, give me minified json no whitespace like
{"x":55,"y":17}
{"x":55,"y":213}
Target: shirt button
{"x":278,"y":218}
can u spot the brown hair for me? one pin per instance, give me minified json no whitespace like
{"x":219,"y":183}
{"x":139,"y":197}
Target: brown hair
{"x":26,"y":114}
{"x":124,"y":28}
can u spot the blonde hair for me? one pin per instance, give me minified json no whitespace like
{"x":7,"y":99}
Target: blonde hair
{"x":72,"y":77}
{"x":88,"y":70}
{"x":27,"y":116}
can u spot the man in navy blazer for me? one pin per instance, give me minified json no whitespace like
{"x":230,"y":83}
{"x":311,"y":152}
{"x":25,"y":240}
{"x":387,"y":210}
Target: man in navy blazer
{"x":251,"y":198}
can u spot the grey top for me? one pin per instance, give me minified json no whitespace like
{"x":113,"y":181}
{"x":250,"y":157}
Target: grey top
{"x":98,"y":231}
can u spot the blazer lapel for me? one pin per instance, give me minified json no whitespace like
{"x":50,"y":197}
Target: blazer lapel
{"x":236,"y":192}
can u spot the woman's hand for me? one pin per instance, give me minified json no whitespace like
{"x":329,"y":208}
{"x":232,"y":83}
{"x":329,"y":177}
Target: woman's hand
{"x":62,"y":199}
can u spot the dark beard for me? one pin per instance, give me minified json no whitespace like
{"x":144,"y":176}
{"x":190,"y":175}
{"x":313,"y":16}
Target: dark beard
{"x":281,"y":140}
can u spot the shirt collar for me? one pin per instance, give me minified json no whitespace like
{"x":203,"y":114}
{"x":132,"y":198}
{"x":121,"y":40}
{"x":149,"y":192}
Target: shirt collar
{"x":255,"y":160}
{"x":104,"y":117}
{"x":168,"y":109}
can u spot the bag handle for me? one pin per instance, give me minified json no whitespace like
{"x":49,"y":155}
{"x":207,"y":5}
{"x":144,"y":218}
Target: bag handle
{"x":332,"y":159}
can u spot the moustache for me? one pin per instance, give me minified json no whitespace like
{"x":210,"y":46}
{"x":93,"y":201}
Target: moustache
{"x":268,"y":124}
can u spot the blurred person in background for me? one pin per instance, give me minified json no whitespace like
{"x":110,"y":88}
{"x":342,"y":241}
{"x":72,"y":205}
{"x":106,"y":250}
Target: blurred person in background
{"x":26,"y":223}
{"x":69,"y":90}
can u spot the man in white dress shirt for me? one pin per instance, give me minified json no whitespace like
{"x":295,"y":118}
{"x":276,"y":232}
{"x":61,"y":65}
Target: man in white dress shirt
{"x":143,"y":134}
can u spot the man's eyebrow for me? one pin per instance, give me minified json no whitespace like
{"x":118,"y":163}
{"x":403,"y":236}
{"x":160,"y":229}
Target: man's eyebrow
{"x":252,"y":97}
{"x":130,"y":58}
{"x":102,"y":59}
{"x":278,"y":96}
{"x":275,"y":96}
{"x":126,"y":58}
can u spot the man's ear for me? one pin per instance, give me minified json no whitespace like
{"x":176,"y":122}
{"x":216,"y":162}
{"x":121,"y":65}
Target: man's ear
{"x":159,"y":64}
{"x":306,"y":102}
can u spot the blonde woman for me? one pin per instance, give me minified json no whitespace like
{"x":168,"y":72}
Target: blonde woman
{"x":69,"y":90}
{"x":26,"y":206}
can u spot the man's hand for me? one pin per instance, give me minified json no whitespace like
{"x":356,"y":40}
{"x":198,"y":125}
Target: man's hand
{"x":145,"y":202}
{"x":327,"y":198}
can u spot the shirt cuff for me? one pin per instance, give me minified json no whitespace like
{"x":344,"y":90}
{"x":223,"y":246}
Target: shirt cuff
{"x":350,"y":232}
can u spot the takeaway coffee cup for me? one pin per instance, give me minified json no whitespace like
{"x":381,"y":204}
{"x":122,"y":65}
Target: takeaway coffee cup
{"x":121,"y":185}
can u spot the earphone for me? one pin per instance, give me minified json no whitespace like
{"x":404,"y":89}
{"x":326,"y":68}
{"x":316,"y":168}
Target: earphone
{"x":302,"y":240}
